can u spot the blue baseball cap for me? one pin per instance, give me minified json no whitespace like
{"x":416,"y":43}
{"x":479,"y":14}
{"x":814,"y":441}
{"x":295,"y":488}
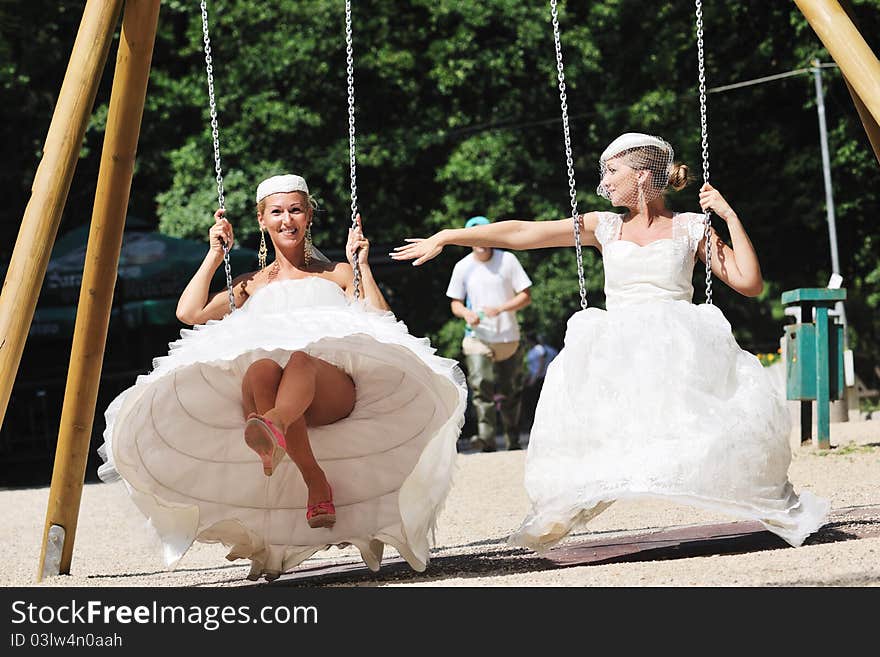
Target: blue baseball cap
{"x":477,"y":221}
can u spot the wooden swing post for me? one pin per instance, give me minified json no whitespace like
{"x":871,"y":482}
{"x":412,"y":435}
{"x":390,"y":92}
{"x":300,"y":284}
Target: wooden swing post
{"x":857,"y":61}
{"x":872,"y":127}
{"x":132,"y":72}
{"x":42,"y":216}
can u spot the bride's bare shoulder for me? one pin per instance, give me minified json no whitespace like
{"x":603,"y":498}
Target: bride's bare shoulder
{"x":340,"y":273}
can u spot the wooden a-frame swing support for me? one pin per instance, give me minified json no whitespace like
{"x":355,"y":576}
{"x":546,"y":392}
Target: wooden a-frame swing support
{"x":51,"y":185}
{"x":39,"y":226}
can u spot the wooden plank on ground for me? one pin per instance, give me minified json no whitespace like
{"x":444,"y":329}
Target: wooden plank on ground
{"x":677,"y":542}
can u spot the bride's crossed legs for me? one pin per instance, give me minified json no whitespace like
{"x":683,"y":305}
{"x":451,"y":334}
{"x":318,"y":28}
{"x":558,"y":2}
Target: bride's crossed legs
{"x":307,"y":392}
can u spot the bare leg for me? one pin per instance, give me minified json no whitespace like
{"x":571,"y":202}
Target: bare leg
{"x":260,"y":386}
{"x":300,"y":451}
{"x":309,"y":392}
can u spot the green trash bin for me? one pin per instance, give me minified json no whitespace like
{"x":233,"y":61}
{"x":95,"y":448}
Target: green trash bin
{"x":814,"y":358}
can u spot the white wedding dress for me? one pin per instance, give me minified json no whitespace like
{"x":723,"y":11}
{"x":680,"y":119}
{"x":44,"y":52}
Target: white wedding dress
{"x":654,"y":398}
{"x":176,"y":436}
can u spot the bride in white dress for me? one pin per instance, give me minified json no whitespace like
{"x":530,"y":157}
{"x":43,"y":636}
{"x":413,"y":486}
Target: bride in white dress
{"x":367,"y":413}
{"x":651,"y":397}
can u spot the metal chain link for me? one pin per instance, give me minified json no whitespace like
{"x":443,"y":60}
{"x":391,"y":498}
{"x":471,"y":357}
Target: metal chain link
{"x":349,"y":58}
{"x":215,"y":134}
{"x":569,"y":162}
{"x":707,"y":215}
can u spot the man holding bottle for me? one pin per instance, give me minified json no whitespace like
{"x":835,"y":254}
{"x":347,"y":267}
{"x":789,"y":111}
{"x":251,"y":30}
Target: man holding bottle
{"x":487,"y":287}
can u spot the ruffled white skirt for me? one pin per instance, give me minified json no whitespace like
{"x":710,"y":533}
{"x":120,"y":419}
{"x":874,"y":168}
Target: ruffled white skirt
{"x":658,"y":400}
{"x":176,"y":436}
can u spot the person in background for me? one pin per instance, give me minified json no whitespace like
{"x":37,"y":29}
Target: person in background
{"x":538,"y":357}
{"x":487,"y":287}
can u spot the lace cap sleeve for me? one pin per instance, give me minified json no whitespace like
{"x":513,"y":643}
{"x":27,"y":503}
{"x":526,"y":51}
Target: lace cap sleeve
{"x":696,"y":228}
{"x":607,"y":227}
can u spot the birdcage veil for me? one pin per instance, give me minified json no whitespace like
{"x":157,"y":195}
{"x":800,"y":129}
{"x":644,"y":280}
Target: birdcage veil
{"x":627,"y":185}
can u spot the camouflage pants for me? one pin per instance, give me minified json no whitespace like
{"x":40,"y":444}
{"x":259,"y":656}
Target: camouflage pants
{"x":487,"y":379}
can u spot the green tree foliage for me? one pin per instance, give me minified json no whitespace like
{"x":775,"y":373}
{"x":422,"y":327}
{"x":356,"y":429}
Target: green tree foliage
{"x":458,"y":114}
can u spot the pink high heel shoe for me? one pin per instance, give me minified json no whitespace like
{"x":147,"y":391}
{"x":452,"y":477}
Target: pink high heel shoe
{"x":267,"y":440}
{"x":322,"y":514}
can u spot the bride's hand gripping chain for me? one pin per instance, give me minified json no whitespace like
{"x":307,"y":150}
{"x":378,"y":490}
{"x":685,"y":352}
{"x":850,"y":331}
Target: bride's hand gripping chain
{"x":357,"y":242}
{"x":220,"y":235}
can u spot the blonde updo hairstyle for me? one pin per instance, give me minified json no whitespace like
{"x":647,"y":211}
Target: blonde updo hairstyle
{"x":680,"y":176}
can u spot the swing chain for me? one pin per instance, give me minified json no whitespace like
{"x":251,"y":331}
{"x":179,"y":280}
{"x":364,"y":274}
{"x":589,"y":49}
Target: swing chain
{"x":572,"y":191}
{"x":349,"y":58}
{"x":707,"y":215}
{"x":215,"y":134}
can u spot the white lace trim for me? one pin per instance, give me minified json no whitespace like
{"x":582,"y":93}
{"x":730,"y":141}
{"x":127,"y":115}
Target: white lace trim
{"x":608,"y":227}
{"x":687,"y":229}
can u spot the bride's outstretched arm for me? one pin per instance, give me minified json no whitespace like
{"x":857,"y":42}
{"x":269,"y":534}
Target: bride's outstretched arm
{"x":514,"y":234}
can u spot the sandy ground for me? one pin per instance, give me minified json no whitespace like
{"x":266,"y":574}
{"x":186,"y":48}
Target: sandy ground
{"x":114,"y":547}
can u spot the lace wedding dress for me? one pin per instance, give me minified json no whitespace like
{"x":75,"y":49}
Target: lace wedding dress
{"x":176,"y":436}
{"x":654,"y":398}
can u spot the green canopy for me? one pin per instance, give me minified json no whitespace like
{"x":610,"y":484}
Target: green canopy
{"x":151,"y":266}
{"x":153,"y":270}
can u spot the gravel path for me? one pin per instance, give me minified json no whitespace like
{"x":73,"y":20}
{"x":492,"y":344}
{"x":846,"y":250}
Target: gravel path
{"x":114,"y":547}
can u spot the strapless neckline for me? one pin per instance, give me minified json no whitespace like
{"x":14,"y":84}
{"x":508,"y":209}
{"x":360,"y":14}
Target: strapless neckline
{"x":290,"y":281}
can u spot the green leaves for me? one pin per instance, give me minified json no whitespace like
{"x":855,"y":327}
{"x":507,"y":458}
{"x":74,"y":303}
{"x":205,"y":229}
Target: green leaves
{"x":458,"y":114}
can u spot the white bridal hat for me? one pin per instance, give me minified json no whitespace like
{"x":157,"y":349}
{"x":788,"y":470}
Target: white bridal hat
{"x":277,"y":184}
{"x":629,"y":140}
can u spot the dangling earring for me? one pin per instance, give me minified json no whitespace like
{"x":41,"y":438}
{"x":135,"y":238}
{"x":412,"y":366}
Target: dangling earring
{"x":263,"y":252}
{"x":307,"y":251}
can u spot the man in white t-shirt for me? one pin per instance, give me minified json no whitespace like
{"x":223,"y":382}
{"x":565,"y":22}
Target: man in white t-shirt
{"x":487,"y":288}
